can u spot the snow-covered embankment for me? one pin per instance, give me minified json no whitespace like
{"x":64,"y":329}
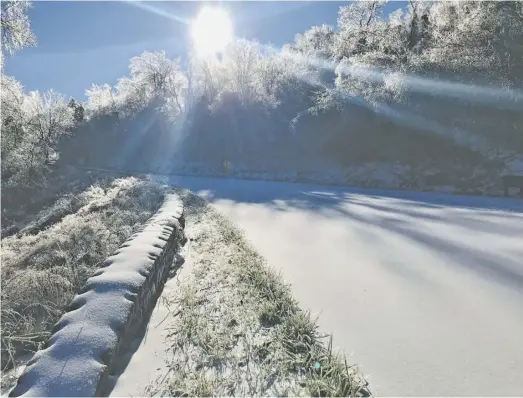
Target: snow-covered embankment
{"x":80,"y":357}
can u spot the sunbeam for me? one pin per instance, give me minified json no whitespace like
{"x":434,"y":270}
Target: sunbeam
{"x":493,"y":96}
{"x":464,"y":139}
{"x":459,"y":137}
{"x":147,"y":7}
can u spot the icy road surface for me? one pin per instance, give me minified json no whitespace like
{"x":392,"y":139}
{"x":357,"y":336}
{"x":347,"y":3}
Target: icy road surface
{"x":425,"y":291}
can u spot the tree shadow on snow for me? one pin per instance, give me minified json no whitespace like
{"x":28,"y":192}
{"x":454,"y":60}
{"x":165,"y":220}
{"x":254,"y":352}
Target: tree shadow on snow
{"x":415,"y":216}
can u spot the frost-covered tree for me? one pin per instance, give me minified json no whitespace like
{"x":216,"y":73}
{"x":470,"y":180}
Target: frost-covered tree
{"x":31,"y":127}
{"x":317,"y":41}
{"x":206,"y":79}
{"x":15,"y":35}
{"x":360,"y":28}
{"x":101,"y":99}
{"x":238,"y":71}
{"x":394,"y":64}
{"x":154,"y":76}
{"x":151,"y":70}
{"x":240,"y":63}
{"x":13,"y":118}
{"x":15,"y":27}
{"x":476,"y":39}
{"x":404,"y":36}
{"x":48,"y":117}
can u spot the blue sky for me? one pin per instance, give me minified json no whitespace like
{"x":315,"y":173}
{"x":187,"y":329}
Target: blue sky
{"x":80,"y":43}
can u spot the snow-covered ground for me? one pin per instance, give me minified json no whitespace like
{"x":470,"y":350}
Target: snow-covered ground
{"x":148,"y":355}
{"x":425,"y":290}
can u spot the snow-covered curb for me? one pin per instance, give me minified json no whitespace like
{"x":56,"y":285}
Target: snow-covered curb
{"x":79,"y":357}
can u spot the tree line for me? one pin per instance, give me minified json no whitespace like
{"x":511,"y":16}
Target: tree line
{"x":435,"y":82}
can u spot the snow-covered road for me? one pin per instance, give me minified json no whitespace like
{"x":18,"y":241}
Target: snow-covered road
{"x":424,"y":290}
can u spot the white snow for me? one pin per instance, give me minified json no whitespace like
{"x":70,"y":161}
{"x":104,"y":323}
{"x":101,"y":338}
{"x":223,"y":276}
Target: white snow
{"x":425,"y":290}
{"x":75,"y":359}
{"x":149,"y":354}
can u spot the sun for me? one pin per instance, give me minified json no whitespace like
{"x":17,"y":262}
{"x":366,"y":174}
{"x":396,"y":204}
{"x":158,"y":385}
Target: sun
{"x":211,"y":31}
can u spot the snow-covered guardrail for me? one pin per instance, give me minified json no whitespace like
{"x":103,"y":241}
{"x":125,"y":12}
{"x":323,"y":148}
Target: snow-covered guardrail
{"x":106,"y":315}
